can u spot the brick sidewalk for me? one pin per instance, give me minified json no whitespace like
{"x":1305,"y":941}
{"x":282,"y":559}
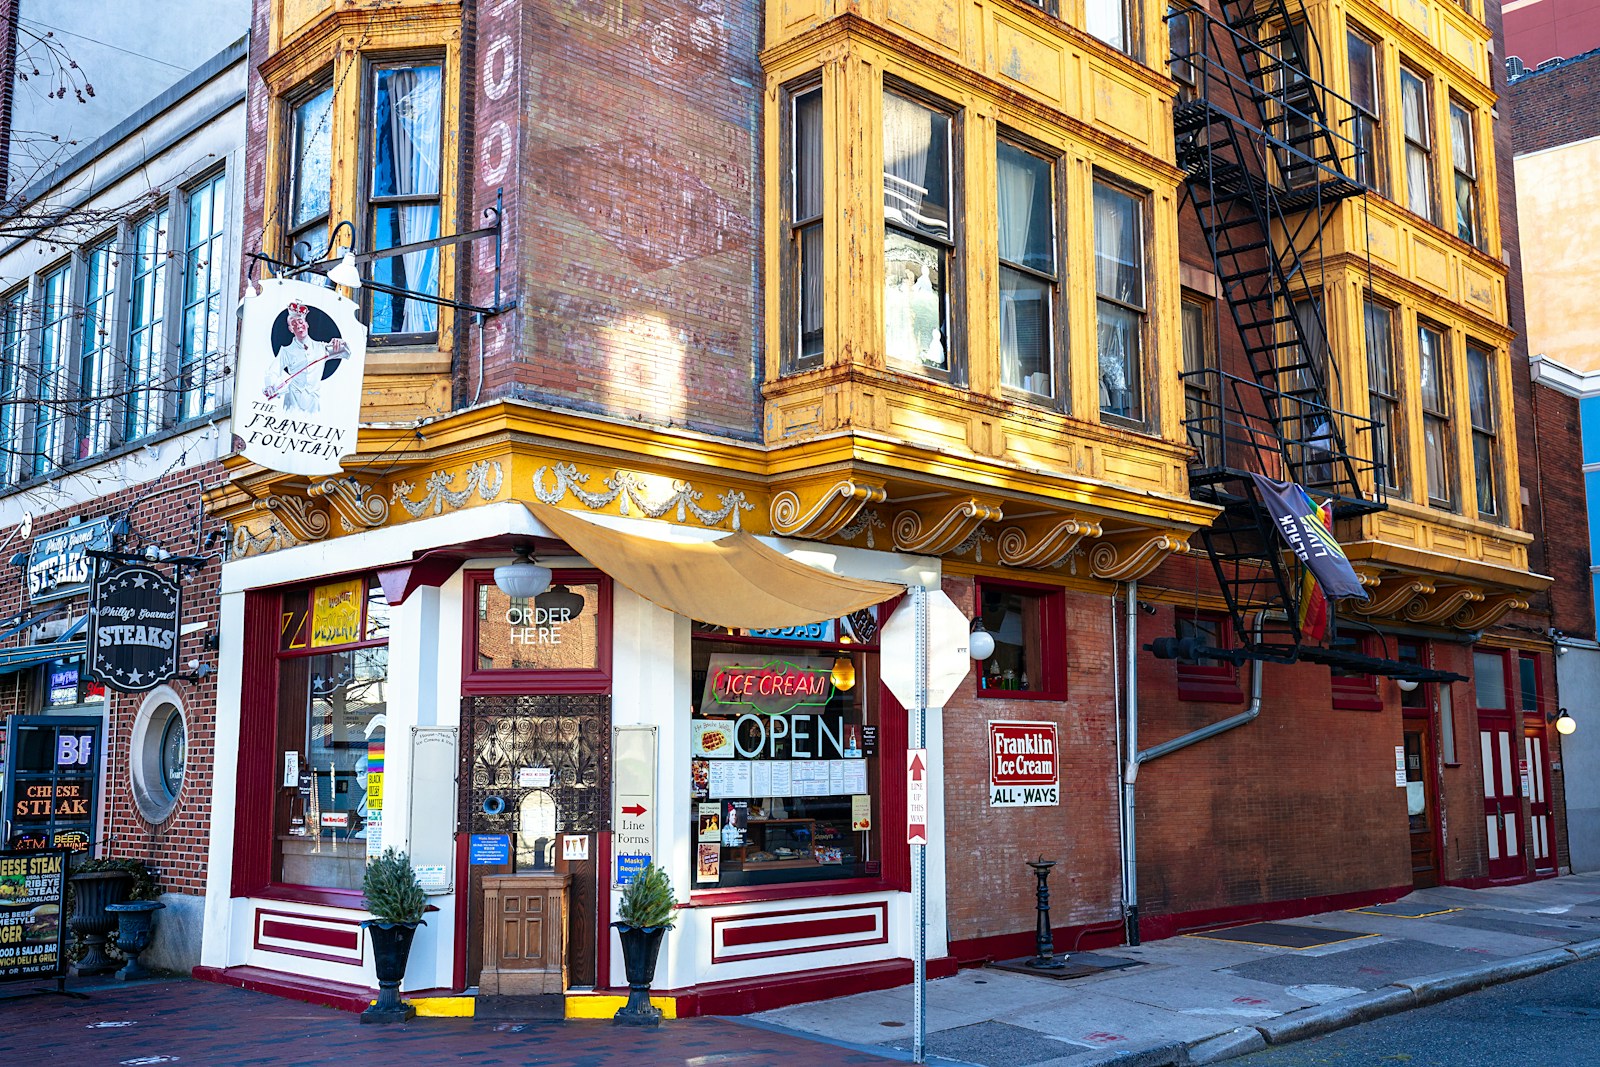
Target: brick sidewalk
{"x":197,"y":1024}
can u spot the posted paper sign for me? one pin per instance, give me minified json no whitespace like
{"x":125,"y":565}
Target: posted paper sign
{"x":1024,"y":765}
{"x":301,"y":357}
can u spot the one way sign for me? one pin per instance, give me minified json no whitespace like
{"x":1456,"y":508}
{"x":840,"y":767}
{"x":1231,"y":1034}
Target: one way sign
{"x":917,"y":796}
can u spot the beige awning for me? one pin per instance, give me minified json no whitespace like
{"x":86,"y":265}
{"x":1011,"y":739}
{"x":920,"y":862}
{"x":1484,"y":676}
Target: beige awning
{"x":735,"y":581}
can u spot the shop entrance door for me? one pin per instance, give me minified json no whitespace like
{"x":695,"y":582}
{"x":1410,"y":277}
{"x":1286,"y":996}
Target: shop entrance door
{"x":1502,"y":807}
{"x":1420,"y":804}
{"x":1536,"y":758}
{"x":537,"y":771}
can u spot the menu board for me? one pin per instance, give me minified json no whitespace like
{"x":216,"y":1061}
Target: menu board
{"x":786,"y":778}
{"x":33,"y":900}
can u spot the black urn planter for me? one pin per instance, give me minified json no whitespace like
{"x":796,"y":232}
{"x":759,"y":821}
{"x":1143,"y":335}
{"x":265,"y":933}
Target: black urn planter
{"x":391,"y":948}
{"x":92,"y":893}
{"x":136,"y":921}
{"x":641,"y":945}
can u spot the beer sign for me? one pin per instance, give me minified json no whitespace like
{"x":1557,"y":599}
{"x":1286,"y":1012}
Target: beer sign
{"x":133,"y":627}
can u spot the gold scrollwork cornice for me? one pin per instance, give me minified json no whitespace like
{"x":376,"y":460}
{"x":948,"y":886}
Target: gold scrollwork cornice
{"x":358,"y":506}
{"x":1043,"y":543}
{"x":1393,"y":595}
{"x":1443,"y":605}
{"x":912,"y":533}
{"x":1128,"y":557}
{"x":830,"y":512}
{"x":1490,"y":611}
{"x":296,"y":514}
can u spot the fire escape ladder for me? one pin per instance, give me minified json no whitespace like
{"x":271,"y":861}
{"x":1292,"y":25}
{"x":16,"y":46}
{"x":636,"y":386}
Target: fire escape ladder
{"x":1264,"y":171}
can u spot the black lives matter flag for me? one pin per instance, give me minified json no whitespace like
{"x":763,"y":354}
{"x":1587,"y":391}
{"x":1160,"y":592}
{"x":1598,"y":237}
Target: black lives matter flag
{"x":1302,"y":525}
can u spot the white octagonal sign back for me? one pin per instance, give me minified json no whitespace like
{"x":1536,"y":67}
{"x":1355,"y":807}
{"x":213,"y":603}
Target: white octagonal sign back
{"x":948,"y":660}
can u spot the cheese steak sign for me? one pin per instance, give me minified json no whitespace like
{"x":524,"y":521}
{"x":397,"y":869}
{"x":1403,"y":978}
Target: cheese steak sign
{"x":133,"y":627}
{"x":1024,"y":765}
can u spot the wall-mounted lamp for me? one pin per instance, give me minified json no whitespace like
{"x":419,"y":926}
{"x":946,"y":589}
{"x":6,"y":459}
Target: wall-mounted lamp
{"x":522,"y":579}
{"x":980,"y":645}
{"x":1565,"y":723}
{"x":1407,"y":685}
{"x":20,"y":559}
{"x":345,"y":272}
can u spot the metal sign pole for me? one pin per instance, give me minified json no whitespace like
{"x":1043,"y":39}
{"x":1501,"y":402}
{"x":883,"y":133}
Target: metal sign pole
{"x":919,"y":869}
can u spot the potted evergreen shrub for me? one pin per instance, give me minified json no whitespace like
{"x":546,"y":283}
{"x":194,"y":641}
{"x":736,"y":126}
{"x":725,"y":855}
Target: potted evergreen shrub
{"x":394,"y":897}
{"x":648,"y":911}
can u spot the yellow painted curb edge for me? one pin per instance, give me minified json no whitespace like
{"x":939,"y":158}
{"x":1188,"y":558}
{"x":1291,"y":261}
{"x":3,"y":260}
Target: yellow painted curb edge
{"x":444,"y":1007}
{"x":598,"y":1006}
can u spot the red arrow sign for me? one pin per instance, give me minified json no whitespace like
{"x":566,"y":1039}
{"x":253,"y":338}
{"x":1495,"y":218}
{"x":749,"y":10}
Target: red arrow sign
{"x":917,"y":766}
{"x":633,"y":809}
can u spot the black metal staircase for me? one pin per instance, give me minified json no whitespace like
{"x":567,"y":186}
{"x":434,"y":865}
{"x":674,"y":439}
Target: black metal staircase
{"x":1265,"y":169}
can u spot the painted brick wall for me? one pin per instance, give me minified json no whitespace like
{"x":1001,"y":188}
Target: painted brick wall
{"x":637,"y":207}
{"x":163,"y":512}
{"x":991,"y":888}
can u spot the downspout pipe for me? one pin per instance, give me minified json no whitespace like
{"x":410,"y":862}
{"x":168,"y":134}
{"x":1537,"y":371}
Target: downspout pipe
{"x":1130,"y":858}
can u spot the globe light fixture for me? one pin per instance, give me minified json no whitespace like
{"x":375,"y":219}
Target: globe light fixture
{"x":843,"y":674}
{"x":1407,"y":685}
{"x":1565,"y":723}
{"x":522,"y":579}
{"x":980,"y":645}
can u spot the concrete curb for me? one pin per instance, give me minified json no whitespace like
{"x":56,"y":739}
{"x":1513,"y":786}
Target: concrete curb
{"x":1240,"y":1042}
{"x":1309,"y":1022}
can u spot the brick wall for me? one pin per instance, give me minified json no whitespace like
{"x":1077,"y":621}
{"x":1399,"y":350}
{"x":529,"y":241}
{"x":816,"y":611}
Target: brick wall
{"x":162,"y":512}
{"x":637,"y":210}
{"x":1554,"y":106}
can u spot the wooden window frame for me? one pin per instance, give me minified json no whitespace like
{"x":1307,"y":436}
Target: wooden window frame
{"x":147,"y":401}
{"x":1201,"y":681}
{"x":1060,"y":398}
{"x":1053,"y":665}
{"x":188,"y":361}
{"x":1488,"y":434}
{"x":301,"y":95}
{"x":1201,"y":395}
{"x":1376,"y":171}
{"x":1442,"y":415}
{"x":1398,"y":469}
{"x":794,"y":228}
{"x":1425,"y":147}
{"x":954,"y":335}
{"x":1466,"y":171}
{"x":476,"y":681}
{"x":1148,"y":416}
{"x":96,"y":373}
{"x":46,"y":458}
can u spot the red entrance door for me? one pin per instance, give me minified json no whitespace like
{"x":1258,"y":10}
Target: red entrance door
{"x":1502,"y":807}
{"x":1536,"y":758}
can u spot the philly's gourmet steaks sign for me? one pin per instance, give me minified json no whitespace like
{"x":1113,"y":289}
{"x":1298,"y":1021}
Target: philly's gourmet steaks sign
{"x":298,"y":387}
{"x":133,"y":626}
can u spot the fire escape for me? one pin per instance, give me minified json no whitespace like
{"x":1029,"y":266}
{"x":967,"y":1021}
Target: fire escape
{"x":1265,"y":169}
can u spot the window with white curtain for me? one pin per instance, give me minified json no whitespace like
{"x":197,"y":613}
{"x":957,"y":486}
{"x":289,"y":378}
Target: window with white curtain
{"x":1485,"y":430}
{"x":147,"y":330}
{"x":406,"y":123}
{"x":204,"y":268}
{"x":805,"y":237}
{"x":51,"y":381}
{"x":1434,"y":389}
{"x":1383,"y":386}
{"x":1464,"y":158}
{"x":96,"y":357}
{"x":1120,"y":306}
{"x":1417,"y":118}
{"x":1024,"y":188}
{"x":310,"y":174}
{"x":1112,"y":22}
{"x":919,"y":237}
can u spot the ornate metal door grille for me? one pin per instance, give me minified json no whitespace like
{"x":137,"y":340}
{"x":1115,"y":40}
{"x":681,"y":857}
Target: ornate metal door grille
{"x":569,"y":734}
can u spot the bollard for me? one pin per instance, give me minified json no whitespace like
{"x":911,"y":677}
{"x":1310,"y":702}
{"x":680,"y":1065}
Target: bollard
{"x":1045,"y":958}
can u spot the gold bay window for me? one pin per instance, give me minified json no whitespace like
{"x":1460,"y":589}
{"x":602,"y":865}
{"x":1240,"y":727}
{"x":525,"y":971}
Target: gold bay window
{"x":1120,"y":308}
{"x":1025,"y":206}
{"x":919,"y":245}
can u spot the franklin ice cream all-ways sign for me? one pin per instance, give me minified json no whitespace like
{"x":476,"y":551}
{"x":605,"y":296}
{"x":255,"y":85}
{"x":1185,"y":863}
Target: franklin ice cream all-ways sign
{"x":301,"y":356}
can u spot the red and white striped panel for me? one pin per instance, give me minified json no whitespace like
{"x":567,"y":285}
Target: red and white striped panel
{"x":760,"y":935}
{"x":337,"y":940}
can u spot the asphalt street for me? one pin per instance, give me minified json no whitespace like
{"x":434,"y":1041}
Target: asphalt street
{"x":1549,"y":1020}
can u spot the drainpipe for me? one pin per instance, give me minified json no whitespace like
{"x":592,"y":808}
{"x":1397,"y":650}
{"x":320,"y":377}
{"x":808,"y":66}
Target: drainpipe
{"x":1130,"y":857}
{"x":1130,"y":850}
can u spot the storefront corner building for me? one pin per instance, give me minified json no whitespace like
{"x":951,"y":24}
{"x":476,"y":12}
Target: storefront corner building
{"x":819,"y":303}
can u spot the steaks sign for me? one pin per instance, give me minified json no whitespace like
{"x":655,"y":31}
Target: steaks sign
{"x":133,"y":626}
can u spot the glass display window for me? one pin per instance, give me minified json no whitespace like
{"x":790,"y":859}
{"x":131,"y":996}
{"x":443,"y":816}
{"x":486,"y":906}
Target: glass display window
{"x":1029,"y":626}
{"x":559,"y":640}
{"x":333,"y":667}
{"x":784,"y":755}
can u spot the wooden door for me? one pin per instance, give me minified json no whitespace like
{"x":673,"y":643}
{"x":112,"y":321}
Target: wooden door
{"x":1536,"y":758}
{"x":1502,"y":806}
{"x":1420,"y":805}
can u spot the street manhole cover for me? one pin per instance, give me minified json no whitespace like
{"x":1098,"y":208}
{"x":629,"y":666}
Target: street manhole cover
{"x":1559,"y":1011}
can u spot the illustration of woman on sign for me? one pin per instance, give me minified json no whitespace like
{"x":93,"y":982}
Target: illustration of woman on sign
{"x":309,"y":351}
